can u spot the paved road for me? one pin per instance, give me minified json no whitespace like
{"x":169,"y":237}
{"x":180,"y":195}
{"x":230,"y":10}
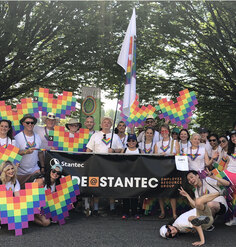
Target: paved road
{"x":111,"y":231}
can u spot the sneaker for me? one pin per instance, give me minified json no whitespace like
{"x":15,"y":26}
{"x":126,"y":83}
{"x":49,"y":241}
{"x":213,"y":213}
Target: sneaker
{"x":137,"y":217}
{"x":124,"y":217}
{"x":223,"y":192}
{"x":231,"y":222}
{"x":210,"y":229}
{"x":95,"y":213}
{"x":200,"y":220}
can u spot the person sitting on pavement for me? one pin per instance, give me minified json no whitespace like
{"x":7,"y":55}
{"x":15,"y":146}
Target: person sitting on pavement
{"x":195,"y":220}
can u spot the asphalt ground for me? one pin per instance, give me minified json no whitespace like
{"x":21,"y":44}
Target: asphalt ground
{"x":80,"y":230}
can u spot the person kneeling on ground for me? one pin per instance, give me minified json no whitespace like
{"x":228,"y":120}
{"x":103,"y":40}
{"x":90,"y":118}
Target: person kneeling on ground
{"x":196,"y":219}
{"x":51,"y":179}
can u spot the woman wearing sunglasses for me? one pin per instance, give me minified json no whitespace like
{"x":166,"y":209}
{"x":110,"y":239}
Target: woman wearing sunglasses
{"x":167,"y":146}
{"x":223,"y":142}
{"x":215,"y":147}
{"x":51,"y":179}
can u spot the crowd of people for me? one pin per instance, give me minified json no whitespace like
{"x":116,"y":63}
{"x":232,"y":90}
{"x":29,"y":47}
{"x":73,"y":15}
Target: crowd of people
{"x":203,"y":150}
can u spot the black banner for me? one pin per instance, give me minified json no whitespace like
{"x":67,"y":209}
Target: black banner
{"x":120,"y":175}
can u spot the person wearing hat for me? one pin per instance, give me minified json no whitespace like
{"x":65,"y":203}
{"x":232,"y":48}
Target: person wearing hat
{"x":73,"y":126}
{"x":100,"y":142}
{"x":131,"y":204}
{"x":230,"y":170}
{"x":203,"y":132}
{"x":50,"y":121}
{"x":150,"y":122}
{"x":195,"y":220}
{"x":29,"y":142}
{"x":175,"y":134}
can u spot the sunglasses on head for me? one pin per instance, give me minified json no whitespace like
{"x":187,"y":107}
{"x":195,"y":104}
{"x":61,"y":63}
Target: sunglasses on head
{"x":28,"y":123}
{"x":222,"y":141}
{"x":57,"y":172}
{"x":212,"y":140}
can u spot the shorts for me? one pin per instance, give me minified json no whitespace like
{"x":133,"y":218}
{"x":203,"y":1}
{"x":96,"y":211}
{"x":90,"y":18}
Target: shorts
{"x":206,"y":212}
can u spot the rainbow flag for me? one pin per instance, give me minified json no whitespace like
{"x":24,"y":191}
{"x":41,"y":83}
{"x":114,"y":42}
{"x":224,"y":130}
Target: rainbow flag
{"x":127,"y":60}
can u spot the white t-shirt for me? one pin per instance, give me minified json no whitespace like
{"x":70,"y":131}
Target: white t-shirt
{"x":148,"y":147}
{"x":156,"y":137}
{"x":232,"y":163}
{"x":52,"y":187}
{"x":7,"y":140}
{"x":166,"y":146}
{"x":182,"y":223}
{"x":207,"y":146}
{"x":97,"y":145}
{"x":182,"y":146}
{"x":199,"y":162}
{"x":136,"y":151}
{"x":124,"y":141}
{"x":42,"y":133}
{"x":29,"y":162}
{"x":213,"y":152}
{"x":207,"y":188}
{"x":12,"y":187}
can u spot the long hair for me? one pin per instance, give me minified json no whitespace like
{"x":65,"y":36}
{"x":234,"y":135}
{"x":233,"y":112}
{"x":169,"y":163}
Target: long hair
{"x":186,"y":132}
{"x":231,"y":146}
{"x":48,"y":179}
{"x":3,"y":169}
{"x":10,"y":131}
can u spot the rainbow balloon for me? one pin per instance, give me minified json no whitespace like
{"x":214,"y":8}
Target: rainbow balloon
{"x":60,"y":202}
{"x":137,"y":115}
{"x":18,"y":211}
{"x":61,"y":107}
{"x":178,"y":113}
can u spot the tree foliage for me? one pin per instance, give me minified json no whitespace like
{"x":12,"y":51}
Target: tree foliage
{"x":67,"y":45}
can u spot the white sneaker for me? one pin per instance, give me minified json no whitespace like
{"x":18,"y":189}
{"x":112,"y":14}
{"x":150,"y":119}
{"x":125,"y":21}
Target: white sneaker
{"x":231,"y":222}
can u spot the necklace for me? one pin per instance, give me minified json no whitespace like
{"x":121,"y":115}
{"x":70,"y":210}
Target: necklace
{"x":194,"y":156}
{"x":6,"y":144}
{"x":181,"y":147}
{"x":46,"y":134}
{"x":233,"y":156}
{"x":105,"y":140}
{"x":147,"y":150}
{"x":29,"y":144}
{"x":165,"y":148}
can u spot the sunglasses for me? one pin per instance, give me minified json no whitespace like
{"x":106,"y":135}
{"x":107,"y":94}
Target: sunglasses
{"x":28,"y":123}
{"x":222,"y":141}
{"x":168,"y":235}
{"x":148,"y":122}
{"x":165,"y":131}
{"x":57,"y":172}
{"x":212,"y":140}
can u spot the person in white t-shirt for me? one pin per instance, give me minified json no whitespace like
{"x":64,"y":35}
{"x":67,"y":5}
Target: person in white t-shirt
{"x":6,"y":133}
{"x":29,"y":144}
{"x":184,"y":142}
{"x":209,"y":185}
{"x":120,"y":131}
{"x":215,"y":149}
{"x":195,"y":220}
{"x":50,"y":122}
{"x":204,"y":133}
{"x":8,"y":177}
{"x":150,"y":122}
{"x":100,"y":142}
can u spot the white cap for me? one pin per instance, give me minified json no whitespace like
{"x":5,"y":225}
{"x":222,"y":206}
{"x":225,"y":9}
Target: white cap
{"x":163,"y":231}
{"x":150,"y":117}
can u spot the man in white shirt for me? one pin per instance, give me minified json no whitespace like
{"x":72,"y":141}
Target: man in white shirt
{"x":29,"y":142}
{"x":100,"y":142}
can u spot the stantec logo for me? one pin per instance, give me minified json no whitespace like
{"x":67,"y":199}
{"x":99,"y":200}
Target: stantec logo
{"x":124,"y":182}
